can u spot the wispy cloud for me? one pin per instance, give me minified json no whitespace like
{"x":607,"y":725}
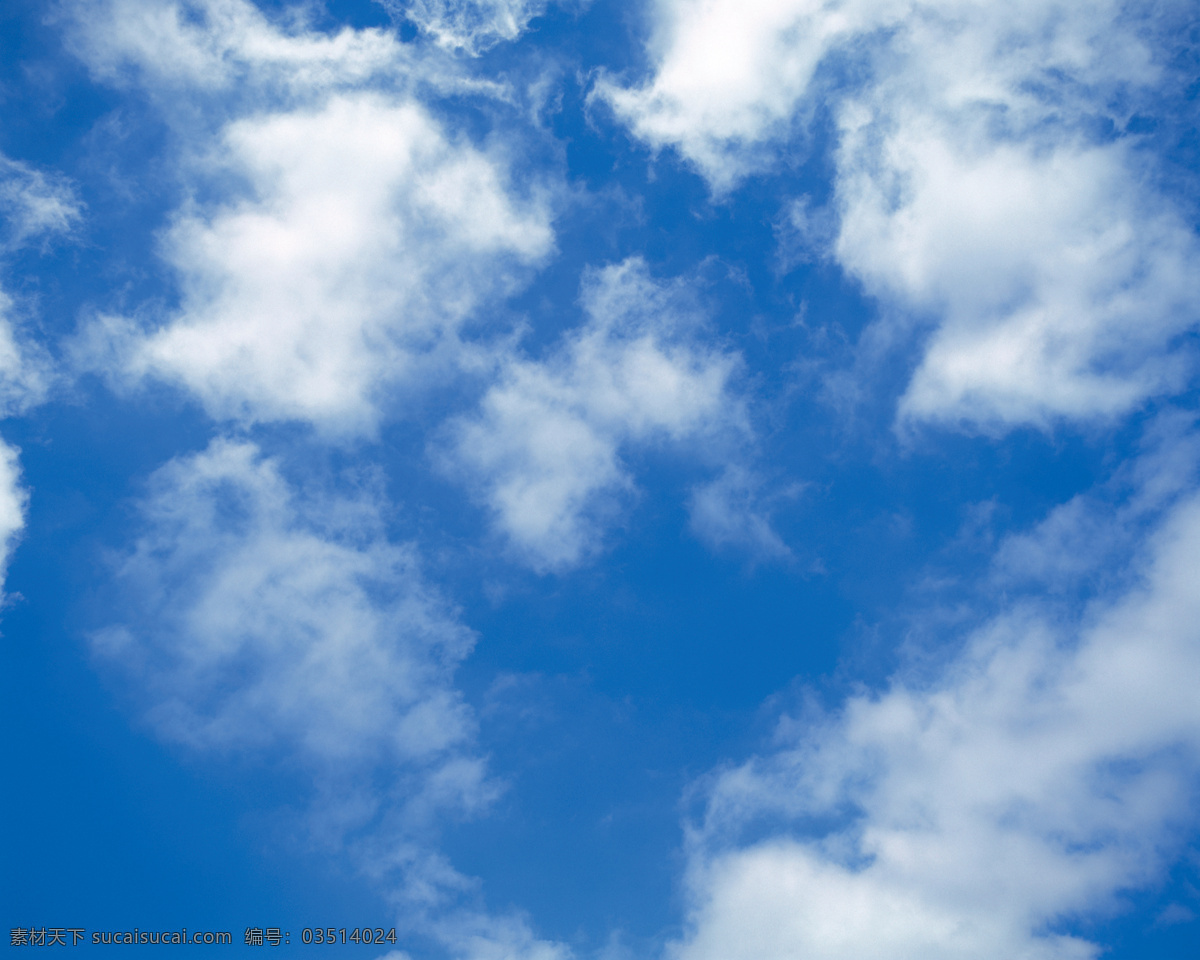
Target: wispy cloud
{"x":34,"y":205}
{"x":544,"y":450}
{"x":731,"y":512}
{"x":262,"y":619}
{"x":262,"y":616}
{"x":468,"y":25}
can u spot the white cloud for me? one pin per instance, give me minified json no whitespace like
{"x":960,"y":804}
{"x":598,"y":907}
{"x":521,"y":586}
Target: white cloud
{"x":214,"y":45}
{"x":26,"y":373}
{"x":279,"y":622}
{"x":731,"y":77}
{"x":1053,"y":765}
{"x":262,"y":617}
{"x":545,"y":447}
{"x":336,"y":237}
{"x":1059,"y":283}
{"x":730,"y":74}
{"x":484,"y":937}
{"x":350,"y":234}
{"x":469,"y":25}
{"x":34,"y":203}
{"x":367,"y":238}
{"x":13,"y":501}
{"x":728,"y":512}
{"x":25,"y":376}
{"x":974,"y":198}
{"x":1087,"y":541}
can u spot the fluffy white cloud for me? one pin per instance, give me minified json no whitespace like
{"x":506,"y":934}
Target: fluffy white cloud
{"x":336,"y":237}
{"x":730,"y":78}
{"x":545,"y":446}
{"x":349,"y":235}
{"x":974,"y":198}
{"x":364,"y":238}
{"x":1052,"y":765}
{"x":728,"y":75}
{"x":1057,"y":282}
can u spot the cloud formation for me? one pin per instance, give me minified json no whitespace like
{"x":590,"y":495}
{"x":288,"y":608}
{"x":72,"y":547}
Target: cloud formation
{"x":34,"y":205}
{"x":728,"y":512}
{"x":368,"y":238}
{"x":261,"y":615}
{"x":214,"y":45}
{"x":984,"y":191}
{"x":25,"y":376}
{"x":343,"y":233}
{"x":335,"y":236}
{"x":545,"y":446}
{"x":266,"y":619}
{"x":1050,"y":766}
{"x":352,"y":236}
{"x":469,"y":25}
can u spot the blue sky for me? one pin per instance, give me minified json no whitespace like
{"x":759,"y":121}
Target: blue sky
{"x":698,"y":480}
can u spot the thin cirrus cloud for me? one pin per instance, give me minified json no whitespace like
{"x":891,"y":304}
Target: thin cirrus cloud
{"x":361,"y":238}
{"x":545,"y":447}
{"x":1049,"y":767}
{"x":974,"y":197}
